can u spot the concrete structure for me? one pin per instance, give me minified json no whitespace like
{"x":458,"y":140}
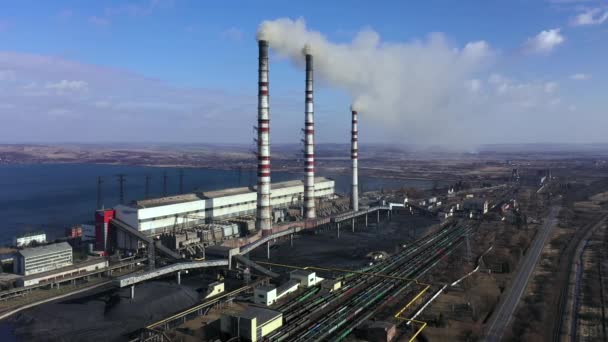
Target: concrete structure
{"x":269,"y":294}
{"x":252,"y":324}
{"x":155,"y":216}
{"x":265,"y":295}
{"x":309,"y":142}
{"x":354,"y":155}
{"x":263,"y":219}
{"x":28,"y":238}
{"x":306,"y":278}
{"x":102,"y":229}
{"x":287,"y":288}
{"x":42,"y":259}
{"x":60,"y":274}
{"x":377,"y":331}
{"x":215,"y":289}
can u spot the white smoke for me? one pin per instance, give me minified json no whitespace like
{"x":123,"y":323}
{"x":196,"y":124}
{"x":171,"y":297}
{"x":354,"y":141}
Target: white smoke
{"x":411,"y":89}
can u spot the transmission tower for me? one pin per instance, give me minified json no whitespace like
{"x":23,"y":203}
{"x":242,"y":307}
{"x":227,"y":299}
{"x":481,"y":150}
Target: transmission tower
{"x":99,"y":194}
{"x":121,"y":187}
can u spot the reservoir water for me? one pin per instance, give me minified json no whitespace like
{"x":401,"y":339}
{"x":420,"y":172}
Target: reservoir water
{"x":52,"y":197}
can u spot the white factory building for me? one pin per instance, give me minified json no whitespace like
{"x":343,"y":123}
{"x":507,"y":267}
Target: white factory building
{"x":154,"y":216}
{"x":42,"y":259}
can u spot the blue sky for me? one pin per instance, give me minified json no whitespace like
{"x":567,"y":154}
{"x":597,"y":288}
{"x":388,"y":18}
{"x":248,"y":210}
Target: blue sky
{"x":185,"y":71}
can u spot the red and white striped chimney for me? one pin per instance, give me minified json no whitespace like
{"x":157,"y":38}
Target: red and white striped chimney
{"x":354,"y":155}
{"x":309,"y":142}
{"x":263,"y":216}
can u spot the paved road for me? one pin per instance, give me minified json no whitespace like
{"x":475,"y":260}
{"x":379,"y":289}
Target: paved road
{"x":502,"y":316}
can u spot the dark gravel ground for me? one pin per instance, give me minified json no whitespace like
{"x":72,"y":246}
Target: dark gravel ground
{"x":325,"y":249}
{"x":104,"y":316}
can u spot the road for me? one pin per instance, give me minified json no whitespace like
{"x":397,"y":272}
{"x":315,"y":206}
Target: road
{"x":502,"y":316}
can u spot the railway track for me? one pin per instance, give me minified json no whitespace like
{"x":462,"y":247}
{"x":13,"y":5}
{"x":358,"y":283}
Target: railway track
{"x":363,"y":290}
{"x":560,"y":327}
{"x":352,"y":280}
{"x":330,"y":326}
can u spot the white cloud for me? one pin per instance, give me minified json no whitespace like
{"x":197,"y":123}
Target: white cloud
{"x":594,"y":16}
{"x":65,"y":85}
{"x":53,"y":95}
{"x":516,"y":94}
{"x":551,"y":87}
{"x":545,"y":41}
{"x":580,"y":77}
{"x":475,"y":85}
{"x":477,"y":50}
{"x":426,"y":90}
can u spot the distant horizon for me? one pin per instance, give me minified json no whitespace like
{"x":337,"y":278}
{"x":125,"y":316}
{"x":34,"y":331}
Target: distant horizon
{"x":526,"y":147}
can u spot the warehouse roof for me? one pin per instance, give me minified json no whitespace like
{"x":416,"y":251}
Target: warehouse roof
{"x":155,"y":202}
{"x":196,"y":196}
{"x":263,"y":315}
{"x":266,"y":288}
{"x":302,"y":273}
{"x":287,"y":286}
{"x":226,"y":192}
{"x":43,"y":250}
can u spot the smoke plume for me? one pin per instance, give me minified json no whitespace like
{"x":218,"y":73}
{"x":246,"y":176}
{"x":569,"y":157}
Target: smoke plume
{"x":413,"y":90}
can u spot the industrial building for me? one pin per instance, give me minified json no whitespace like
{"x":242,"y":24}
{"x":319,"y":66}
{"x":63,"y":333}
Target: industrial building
{"x":252,"y":324}
{"x":63,"y":273}
{"x":305,"y":278}
{"x":29,"y":238}
{"x":475,"y":207}
{"x":269,"y":294}
{"x":155,"y":216}
{"x":42,"y":259}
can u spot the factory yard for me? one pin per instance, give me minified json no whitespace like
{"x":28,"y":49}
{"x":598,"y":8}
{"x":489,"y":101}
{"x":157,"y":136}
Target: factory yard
{"x":108,"y":314}
{"x":325,"y":249}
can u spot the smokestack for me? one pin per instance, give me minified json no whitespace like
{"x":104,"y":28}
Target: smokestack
{"x":309,"y":142}
{"x":263,"y":219}
{"x":354,"y":155}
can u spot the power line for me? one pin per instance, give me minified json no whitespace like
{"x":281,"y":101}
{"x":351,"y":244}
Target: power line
{"x":99,"y":194}
{"x":121,"y":187}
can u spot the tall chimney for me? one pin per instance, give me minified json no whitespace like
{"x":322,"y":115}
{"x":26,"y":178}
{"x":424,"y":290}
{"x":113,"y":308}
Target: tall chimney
{"x":263,"y":218}
{"x":354,"y":155}
{"x":309,"y":142}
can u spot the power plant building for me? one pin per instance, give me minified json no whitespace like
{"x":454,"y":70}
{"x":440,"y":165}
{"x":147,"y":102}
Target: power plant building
{"x":155,"y":216}
{"x":42,"y":259}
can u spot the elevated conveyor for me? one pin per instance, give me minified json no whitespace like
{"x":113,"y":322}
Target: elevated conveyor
{"x":132,"y":279}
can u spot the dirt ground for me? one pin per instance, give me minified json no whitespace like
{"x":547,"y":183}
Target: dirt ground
{"x":109,"y":315}
{"x":537,"y":318}
{"x":350,"y":250}
{"x":460,"y":313}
